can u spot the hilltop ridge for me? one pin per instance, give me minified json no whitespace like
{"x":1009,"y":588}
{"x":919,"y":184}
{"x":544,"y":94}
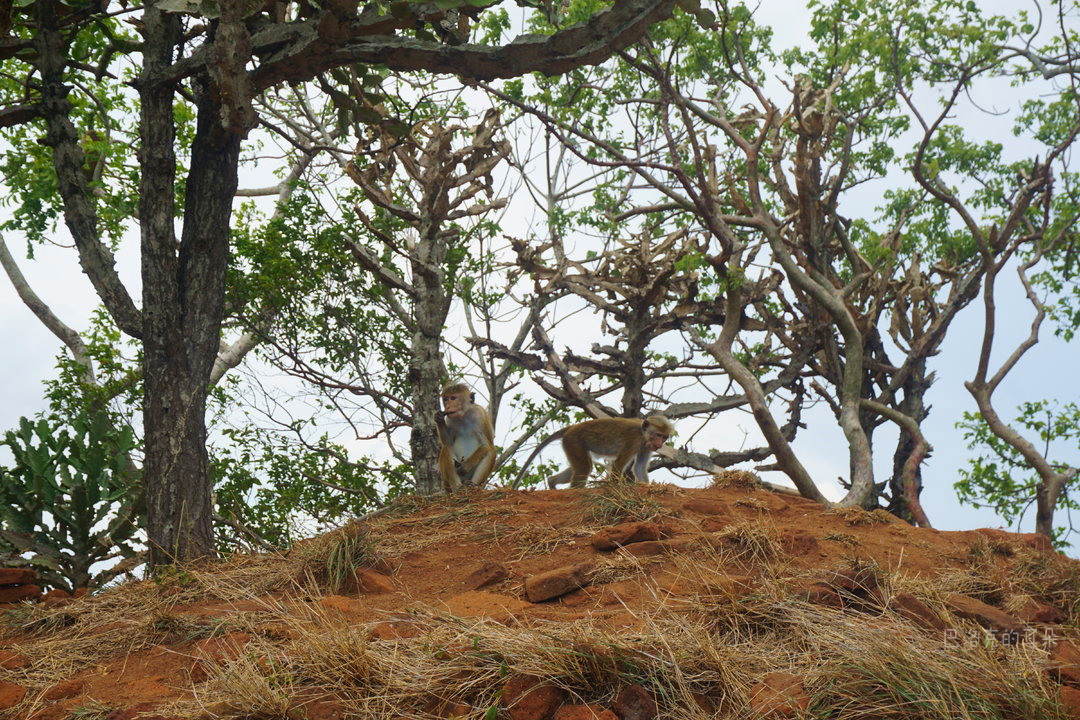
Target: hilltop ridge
{"x":615,"y":601}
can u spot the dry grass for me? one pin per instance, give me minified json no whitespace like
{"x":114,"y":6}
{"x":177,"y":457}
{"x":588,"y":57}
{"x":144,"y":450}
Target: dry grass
{"x":857,"y":516}
{"x":615,"y":501}
{"x":533,"y":540}
{"x":331,"y":560}
{"x":736,"y":479}
{"x":751,"y":541}
{"x":853,"y":669}
{"x":842,"y":538}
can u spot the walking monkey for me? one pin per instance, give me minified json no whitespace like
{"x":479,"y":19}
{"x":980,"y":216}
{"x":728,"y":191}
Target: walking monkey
{"x":627,"y":440}
{"x":467,"y":456}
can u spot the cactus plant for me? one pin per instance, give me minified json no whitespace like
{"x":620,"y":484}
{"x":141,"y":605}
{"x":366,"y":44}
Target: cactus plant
{"x":69,"y":502}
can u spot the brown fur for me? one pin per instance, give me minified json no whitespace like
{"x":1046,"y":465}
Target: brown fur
{"x":467,"y":455}
{"x":628,"y":440}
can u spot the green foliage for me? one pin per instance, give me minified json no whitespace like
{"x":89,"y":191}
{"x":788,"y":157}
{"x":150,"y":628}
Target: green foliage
{"x":282,"y":491}
{"x":70,"y":498}
{"x":1000,"y":478}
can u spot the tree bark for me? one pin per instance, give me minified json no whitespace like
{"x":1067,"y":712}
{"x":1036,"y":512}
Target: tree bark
{"x":183,"y":300}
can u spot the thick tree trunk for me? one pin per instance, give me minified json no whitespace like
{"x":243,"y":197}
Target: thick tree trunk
{"x":425,"y":364}
{"x":183,"y":301}
{"x":901,"y":488}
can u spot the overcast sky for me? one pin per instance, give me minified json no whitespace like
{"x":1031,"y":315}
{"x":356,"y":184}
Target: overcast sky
{"x":1047,"y":371}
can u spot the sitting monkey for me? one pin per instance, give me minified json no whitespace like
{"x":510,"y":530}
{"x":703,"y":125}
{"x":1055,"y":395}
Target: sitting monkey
{"x":467,"y":455}
{"x":627,"y":440}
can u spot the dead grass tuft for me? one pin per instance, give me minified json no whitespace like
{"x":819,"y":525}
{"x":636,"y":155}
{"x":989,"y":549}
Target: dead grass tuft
{"x":331,"y":560}
{"x":751,"y":541}
{"x":857,"y":516}
{"x":614,"y":501}
{"x":842,"y":538}
{"x":736,"y":479}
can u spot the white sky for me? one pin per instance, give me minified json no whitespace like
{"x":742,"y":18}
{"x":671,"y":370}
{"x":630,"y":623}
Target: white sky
{"x":1047,"y":371}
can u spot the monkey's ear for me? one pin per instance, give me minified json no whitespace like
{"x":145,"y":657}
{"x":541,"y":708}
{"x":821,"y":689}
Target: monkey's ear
{"x":644,"y":425}
{"x":472,"y":397}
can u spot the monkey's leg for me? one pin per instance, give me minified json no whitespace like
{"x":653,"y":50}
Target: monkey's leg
{"x":559,"y":479}
{"x":450,"y":480}
{"x":620,"y":466}
{"x":479,"y":466}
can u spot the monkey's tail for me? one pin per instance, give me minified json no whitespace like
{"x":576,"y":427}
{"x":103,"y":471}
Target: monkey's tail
{"x":543,"y":443}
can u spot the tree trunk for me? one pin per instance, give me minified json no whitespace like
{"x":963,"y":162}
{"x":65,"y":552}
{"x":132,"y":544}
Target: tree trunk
{"x":183,"y":301}
{"x":914,"y":406}
{"x":425,"y":364}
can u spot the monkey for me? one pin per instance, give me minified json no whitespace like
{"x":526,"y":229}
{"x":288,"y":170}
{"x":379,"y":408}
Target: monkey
{"x":467,"y":455}
{"x":627,"y":440}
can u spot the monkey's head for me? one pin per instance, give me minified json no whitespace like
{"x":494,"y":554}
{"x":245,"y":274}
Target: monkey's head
{"x":456,"y":399}
{"x":657,"y":429}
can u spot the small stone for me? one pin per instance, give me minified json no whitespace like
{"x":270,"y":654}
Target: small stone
{"x":908,"y":606}
{"x":341,"y":604}
{"x":617,"y":536}
{"x":1035,"y":612}
{"x":63,"y":690}
{"x":647,"y":548}
{"x":818,"y":594}
{"x":1065,"y":663}
{"x":490,"y":573}
{"x":1000,"y":622}
{"x":530,"y":698}
{"x":1069,"y":699}
{"x":10,"y":695}
{"x":374,"y":582}
{"x":635,"y":703}
{"x":584,"y":712}
{"x":559,"y":581}
{"x":13,"y":661}
{"x":17,"y":576}
{"x":779,"y":695}
{"x":18,"y":593}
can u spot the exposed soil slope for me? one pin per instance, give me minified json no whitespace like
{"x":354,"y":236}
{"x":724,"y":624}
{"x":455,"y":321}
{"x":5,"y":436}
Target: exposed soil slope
{"x":611,"y":602}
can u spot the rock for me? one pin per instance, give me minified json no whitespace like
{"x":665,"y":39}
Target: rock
{"x":559,"y":581}
{"x":635,"y":703}
{"x":530,"y":698}
{"x":17,"y":576}
{"x":908,"y":606}
{"x":998,"y":621}
{"x":779,"y":695}
{"x":647,"y":548}
{"x":374,"y":582}
{"x":490,"y":573}
{"x":584,"y":712}
{"x":79,"y":592}
{"x":10,"y":695}
{"x":477,"y":603}
{"x":1069,"y":699}
{"x":1035,"y":612}
{"x":55,"y":597}
{"x":705,"y":506}
{"x":394,"y":630}
{"x":18,"y":593}
{"x":63,"y":690}
{"x":341,"y":604}
{"x":818,"y":594}
{"x":616,"y":536}
{"x":1065,"y":663}
{"x":12,"y":661}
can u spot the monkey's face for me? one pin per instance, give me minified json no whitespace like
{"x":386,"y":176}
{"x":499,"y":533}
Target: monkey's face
{"x":455,"y":404}
{"x":654,"y":438}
